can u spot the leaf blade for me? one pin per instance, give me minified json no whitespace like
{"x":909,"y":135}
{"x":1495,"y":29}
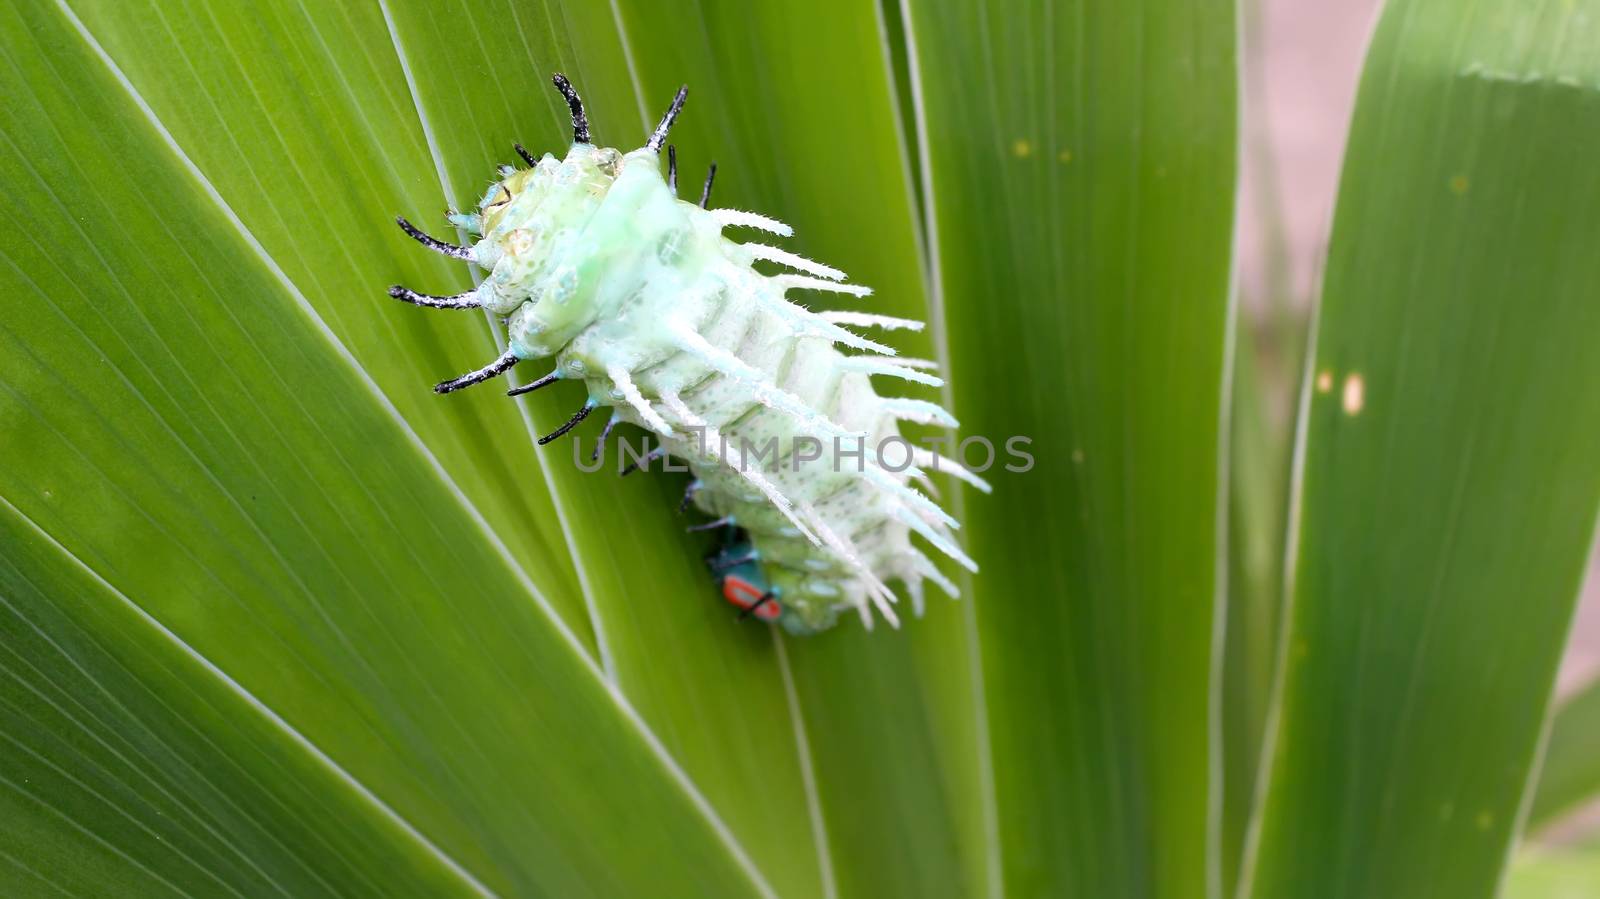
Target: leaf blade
{"x":1082,"y":214}
{"x":1444,"y":394}
{"x":1569,"y":773}
{"x":315,"y":123}
{"x":64,"y":685}
{"x":169,"y":446}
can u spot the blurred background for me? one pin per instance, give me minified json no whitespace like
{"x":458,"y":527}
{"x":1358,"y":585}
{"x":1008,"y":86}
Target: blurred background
{"x":1301,"y":66}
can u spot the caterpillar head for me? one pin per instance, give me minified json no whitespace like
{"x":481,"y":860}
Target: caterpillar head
{"x":553,"y":254}
{"x":561,"y":239}
{"x":535,"y":240}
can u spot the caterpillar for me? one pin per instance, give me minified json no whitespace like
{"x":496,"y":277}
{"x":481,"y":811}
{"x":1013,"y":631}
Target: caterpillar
{"x":595,"y":263}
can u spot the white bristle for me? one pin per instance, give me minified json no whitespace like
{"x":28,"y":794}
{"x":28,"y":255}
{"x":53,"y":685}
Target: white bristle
{"x":930,"y":459}
{"x":868,"y":320}
{"x":919,"y":412}
{"x":793,"y":260}
{"x":937,"y":540}
{"x":767,"y":392}
{"x":925,"y":567}
{"x":630,"y":392}
{"x":801,"y":282}
{"x":907,"y":495}
{"x":874,"y":366}
{"x":738,"y":218}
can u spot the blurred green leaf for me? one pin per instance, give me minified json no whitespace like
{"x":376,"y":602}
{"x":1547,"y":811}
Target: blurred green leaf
{"x":1566,"y":872}
{"x":1271,"y":334}
{"x":1569,"y":775}
{"x":1449,"y":486}
{"x":1258,"y":484}
{"x":1081,"y":184}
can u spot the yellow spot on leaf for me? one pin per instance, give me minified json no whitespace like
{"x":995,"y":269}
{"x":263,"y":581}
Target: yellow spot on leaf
{"x":1459,"y":185}
{"x":1324,"y":381}
{"x":1021,"y":148}
{"x":1485,"y":820}
{"x":1065,"y":156}
{"x":1355,"y":393}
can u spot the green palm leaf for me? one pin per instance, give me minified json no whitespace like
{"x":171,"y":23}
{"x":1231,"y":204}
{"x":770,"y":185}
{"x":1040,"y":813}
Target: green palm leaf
{"x":203,"y":439}
{"x":1570,"y":774}
{"x":1449,"y":487}
{"x":1081,"y":184}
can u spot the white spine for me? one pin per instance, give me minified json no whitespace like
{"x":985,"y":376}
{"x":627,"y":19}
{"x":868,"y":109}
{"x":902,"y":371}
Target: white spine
{"x":919,"y":412}
{"x":793,"y":260}
{"x":908,"y":496}
{"x":630,"y":392}
{"x":930,"y":459}
{"x":869,"y":320}
{"x":939,"y":541}
{"x":873,"y":366}
{"x":924,"y":567}
{"x":880,"y":595}
{"x":738,"y":218}
{"x":768,"y":393}
{"x":802,"y":282}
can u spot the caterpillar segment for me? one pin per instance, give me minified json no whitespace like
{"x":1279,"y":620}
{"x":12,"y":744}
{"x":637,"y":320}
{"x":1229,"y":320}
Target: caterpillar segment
{"x":654,"y":305}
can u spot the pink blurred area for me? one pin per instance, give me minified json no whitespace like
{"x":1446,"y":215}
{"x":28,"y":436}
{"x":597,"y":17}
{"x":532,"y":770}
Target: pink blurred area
{"x":1297,"y":110}
{"x":1300,"y":87}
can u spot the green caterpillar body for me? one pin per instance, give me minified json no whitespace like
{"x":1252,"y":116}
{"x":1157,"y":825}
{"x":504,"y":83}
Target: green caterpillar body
{"x":597,"y":265}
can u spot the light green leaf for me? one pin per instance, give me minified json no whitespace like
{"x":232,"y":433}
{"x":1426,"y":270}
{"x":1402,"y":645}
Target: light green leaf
{"x":1081,"y":176}
{"x":1258,"y":485}
{"x":1566,"y":872}
{"x":1449,"y":485}
{"x":1569,"y":775}
{"x":300,"y":118}
{"x":183,"y":419}
{"x":134,"y":767}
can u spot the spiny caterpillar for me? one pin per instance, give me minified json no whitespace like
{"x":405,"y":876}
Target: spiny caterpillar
{"x":594,"y":261}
